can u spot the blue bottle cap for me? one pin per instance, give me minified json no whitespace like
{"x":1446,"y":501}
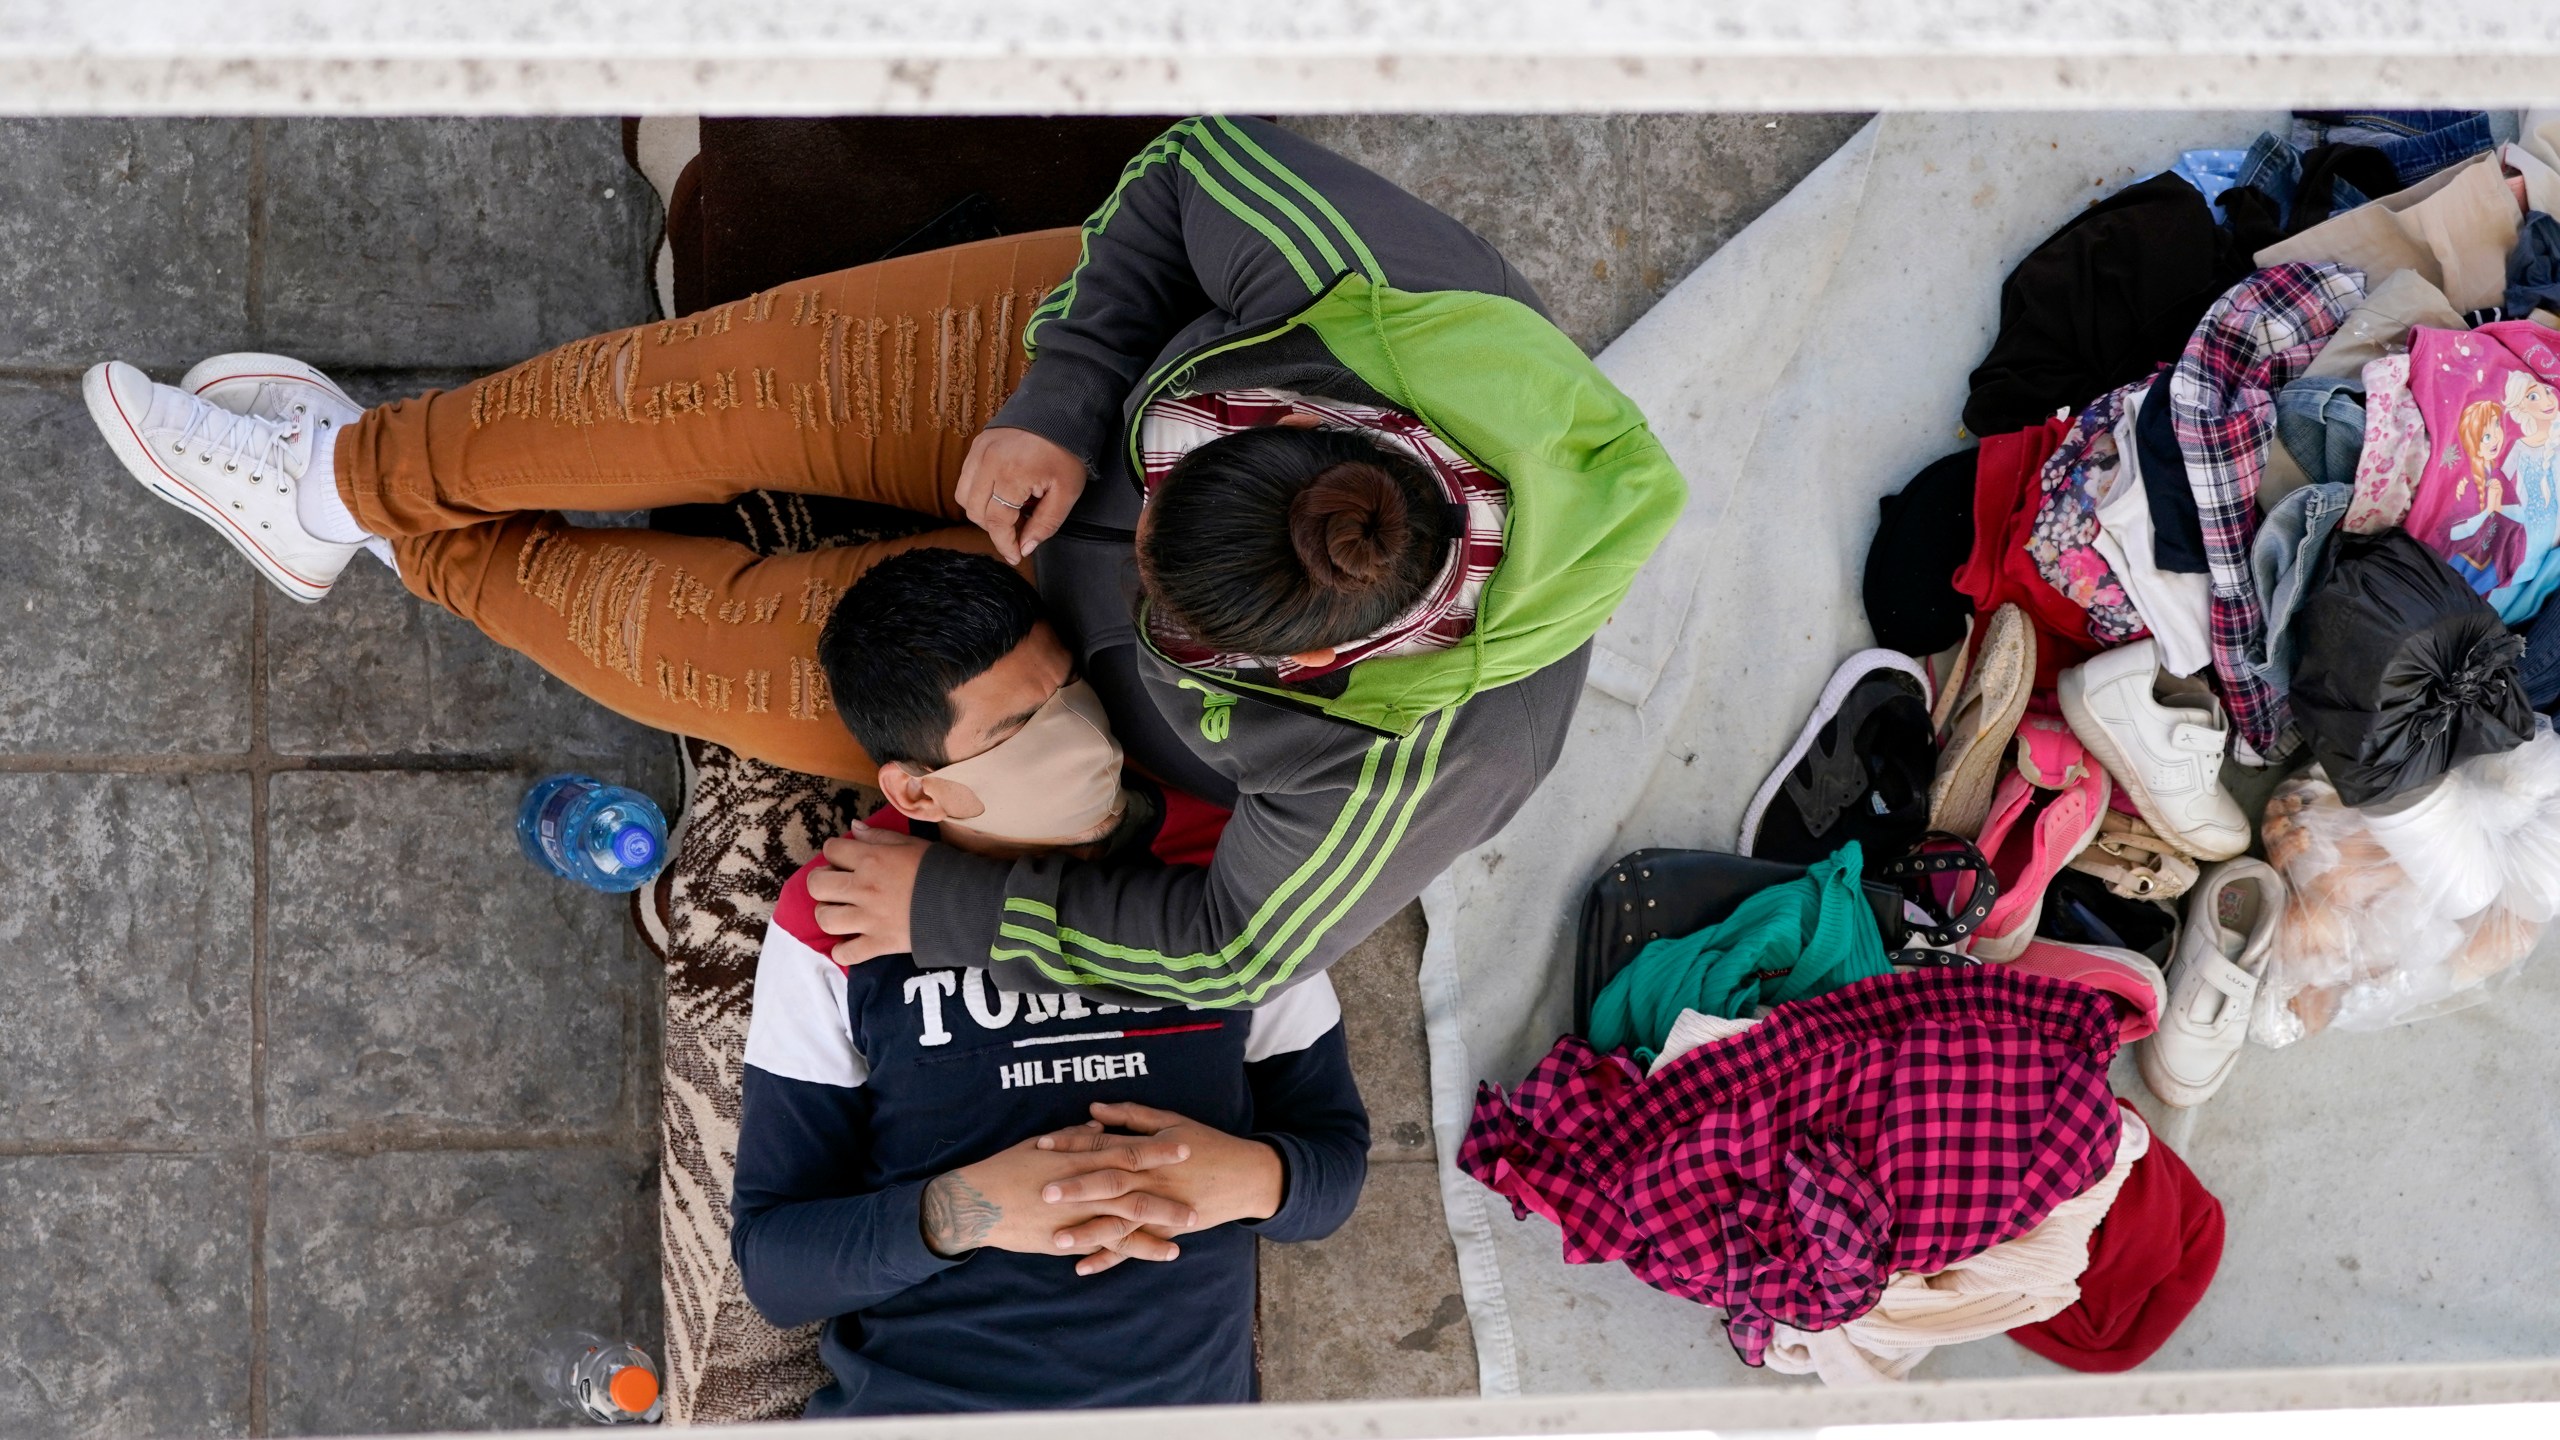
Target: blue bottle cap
{"x":636,"y":846}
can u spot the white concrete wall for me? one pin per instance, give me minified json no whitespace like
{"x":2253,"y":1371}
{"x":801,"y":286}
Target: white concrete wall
{"x":2478,"y":1402}
{"x":988,"y":56}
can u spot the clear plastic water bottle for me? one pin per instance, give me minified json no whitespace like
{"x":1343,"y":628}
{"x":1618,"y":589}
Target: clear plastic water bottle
{"x":608,"y":1381}
{"x":605,"y":837}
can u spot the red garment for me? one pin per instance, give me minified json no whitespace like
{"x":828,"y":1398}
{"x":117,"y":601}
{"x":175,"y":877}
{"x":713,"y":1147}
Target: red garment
{"x":2007,"y":488}
{"x":1189,"y":834}
{"x":1903,"y":1122}
{"x":2149,"y":1264}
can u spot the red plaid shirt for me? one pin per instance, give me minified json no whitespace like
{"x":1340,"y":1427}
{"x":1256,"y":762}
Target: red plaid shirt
{"x":2252,"y":343}
{"x":1174,"y":427}
{"x":1906,"y":1122}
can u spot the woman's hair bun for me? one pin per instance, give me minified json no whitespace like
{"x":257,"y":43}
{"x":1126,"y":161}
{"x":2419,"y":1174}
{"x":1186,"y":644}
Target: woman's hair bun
{"x":1350,"y":526}
{"x":1280,"y":540}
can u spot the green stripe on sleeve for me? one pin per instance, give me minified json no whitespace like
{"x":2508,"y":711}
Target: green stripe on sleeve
{"x":1259,"y":958}
{"x":1368,"y":262}
{"x":1278,"y":201}
{"x":1249,"y":944}
{"x":1246,"y":213}
{"x":1343,"y":882}
{"x":1377,"y":861}
{"x":1324,"y":852}
{"x":1063,"y":298}
{"x":1044,"y":964}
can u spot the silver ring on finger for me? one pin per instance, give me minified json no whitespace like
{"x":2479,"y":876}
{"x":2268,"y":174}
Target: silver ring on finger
{"x":1008,"y":504}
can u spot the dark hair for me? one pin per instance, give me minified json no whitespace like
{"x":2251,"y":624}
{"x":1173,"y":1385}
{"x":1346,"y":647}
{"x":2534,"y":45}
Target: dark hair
{"x":911,"y":630}
{"x":1280,"y":540}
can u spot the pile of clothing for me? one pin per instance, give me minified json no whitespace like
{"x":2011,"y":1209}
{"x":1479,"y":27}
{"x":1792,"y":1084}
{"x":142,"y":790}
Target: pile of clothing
{"x":2268,"y":475}
{"x":1914,"y":1159}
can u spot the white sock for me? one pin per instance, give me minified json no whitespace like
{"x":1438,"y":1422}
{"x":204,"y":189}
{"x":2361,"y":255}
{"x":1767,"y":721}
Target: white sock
{"x":316,"y":503}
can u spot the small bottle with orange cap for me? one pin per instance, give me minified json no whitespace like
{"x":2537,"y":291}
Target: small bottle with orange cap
{"x":608,"y":1381}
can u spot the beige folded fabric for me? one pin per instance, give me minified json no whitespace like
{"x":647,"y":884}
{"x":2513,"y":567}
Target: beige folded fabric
{"x":2381,"y":325}
{"x":2454,"y":228}
{"x":2536,"y":155}
{"x":2538,"y":131}
{"x":2017,"y":1282}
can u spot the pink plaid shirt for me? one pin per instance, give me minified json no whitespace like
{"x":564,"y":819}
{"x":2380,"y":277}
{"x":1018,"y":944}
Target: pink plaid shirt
{"x":1174,"y":427}
{"x":1905,"y":1122}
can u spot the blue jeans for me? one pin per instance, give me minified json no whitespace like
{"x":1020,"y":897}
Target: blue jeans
{"x":2274,"y":167}
{"x":2418,"y":143}
{"x":2320,"y":423}
{"x":2286,"y":562}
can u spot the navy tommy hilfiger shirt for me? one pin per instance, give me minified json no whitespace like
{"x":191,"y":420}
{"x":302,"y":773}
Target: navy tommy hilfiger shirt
{"x":863,"y":1084}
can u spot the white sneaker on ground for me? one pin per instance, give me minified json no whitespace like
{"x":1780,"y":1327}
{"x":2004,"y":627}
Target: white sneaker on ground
{"x":2162,"y":737}
{"x":279,"y":387}
{"x":237,"y":473}
{"x":2230,"y":934}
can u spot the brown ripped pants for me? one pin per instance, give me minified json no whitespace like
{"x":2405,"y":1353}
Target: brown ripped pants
{"x":868,"y":383}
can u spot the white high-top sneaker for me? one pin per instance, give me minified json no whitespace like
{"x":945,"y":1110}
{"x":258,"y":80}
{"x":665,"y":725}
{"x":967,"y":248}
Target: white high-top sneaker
{"x":237,"y":473}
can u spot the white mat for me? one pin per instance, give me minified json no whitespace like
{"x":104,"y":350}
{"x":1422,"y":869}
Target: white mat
{"x":2390,"y":1197}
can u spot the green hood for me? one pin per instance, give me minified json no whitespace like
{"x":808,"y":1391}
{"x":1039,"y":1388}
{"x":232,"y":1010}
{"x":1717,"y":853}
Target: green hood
{"x":1591,"y":491}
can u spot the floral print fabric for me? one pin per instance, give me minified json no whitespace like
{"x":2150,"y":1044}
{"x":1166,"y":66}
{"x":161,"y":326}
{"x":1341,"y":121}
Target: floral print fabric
{"x":2081,"y":472}
{"x":2395,"y":448}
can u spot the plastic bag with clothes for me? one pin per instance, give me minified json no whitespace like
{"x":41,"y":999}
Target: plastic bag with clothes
{"x":2404,"y":670}
{"x":2403,"y":911}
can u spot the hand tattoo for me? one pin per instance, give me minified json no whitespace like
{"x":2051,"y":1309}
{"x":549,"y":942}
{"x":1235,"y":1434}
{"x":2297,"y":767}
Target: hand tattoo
{"x":957,"y":1215}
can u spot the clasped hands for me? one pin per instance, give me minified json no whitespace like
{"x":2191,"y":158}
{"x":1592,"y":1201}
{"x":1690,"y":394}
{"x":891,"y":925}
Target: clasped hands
{"x":1101,"y":1196}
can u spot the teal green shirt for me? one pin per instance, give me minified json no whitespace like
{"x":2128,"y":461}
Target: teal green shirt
{"x":1793,"y":941}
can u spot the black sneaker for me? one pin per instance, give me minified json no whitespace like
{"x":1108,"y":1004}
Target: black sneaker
{"x":1860,"y":771}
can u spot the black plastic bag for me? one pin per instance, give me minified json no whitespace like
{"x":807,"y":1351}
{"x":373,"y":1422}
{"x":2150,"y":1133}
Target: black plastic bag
{"x":2404,"y":670}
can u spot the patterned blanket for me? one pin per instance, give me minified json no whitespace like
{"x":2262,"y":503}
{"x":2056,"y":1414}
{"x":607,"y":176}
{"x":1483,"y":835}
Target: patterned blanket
{"x":745,"y":826}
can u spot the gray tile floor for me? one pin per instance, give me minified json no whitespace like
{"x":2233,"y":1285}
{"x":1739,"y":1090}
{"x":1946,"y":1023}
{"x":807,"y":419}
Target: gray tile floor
{"x":318,"y":1103}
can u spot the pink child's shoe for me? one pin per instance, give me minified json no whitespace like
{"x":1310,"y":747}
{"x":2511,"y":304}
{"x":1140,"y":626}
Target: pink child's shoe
{"x":2047,"y":809}
{"x":2130,"y":980}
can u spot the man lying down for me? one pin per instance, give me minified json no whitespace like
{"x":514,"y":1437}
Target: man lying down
{"x":1002,"y":1200}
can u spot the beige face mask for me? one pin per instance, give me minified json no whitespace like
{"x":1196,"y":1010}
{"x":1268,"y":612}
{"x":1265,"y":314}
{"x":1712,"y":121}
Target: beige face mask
{"x":1055,"y":780}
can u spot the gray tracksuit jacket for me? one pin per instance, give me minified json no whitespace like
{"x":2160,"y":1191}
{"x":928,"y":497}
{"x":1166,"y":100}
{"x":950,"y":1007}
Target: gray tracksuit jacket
{"x":1234,"y":255}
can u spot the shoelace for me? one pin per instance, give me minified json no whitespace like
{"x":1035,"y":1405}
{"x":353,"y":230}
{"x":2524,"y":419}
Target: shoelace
{"x":264,"y":443}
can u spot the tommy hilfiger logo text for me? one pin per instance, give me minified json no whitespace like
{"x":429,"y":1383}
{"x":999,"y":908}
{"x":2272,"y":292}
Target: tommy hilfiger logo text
{"x":1084,"y":1069}
{"x":992,"y":1008}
